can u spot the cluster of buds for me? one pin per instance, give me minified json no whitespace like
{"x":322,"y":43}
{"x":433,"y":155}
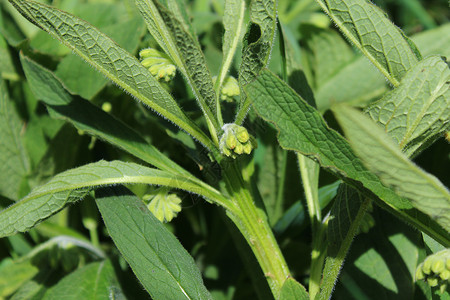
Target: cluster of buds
{"x":236,"y":140}
{"x":367,"y":221}
{"x":435,"y":270}
{"x":230,"y":88}
{"x":158,"y":63}
{"x":164,"y":206}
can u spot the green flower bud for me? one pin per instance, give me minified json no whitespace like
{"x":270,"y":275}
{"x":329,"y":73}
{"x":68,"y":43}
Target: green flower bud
{"x":426,"y":268}
{"x":236,"y":141}
{"x":158,"y":63}
{"x":230,"y":88}
{"x":432,"y":281}
{"x":164,"y":206}
{"x":447,"y":263}
{"x":437,"y":266}
{"x":445,"y":275}
{"x":419,"y":274}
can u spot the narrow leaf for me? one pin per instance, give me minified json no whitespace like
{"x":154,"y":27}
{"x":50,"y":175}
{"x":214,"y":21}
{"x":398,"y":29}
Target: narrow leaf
{"x":302,"y":129}
{"x":14,"y":163}
{"x":108,"y":58}
{"x":88,"y":117}
{"x":160,"y":262}
{"x":174,"y":36}
{"x":418,"y":110}
{"x":257,"y":47}
{"x":368,"y":28}
{"x":383,"y":157}
{"x":75,"y":184}
{"x":94,"y":281}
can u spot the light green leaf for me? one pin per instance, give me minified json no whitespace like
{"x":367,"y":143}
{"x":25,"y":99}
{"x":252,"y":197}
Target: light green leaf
{"x":111,"y":60}
{"x":233,"y":21}
{"x":94,"y":281}
{"x":88,"y":117}
{"x":162,"y":265}
{"x":14,"y":274}
{"x":435,"y":41}
{"x":368,"y":28}
{"x":175,"y":37}
{"x":383,"y":157}
{"x":347,"y":212}
{"x":75,"y":184}
{"x":302,"y":129}
{"x":417,"y":112}
{"x":257,"y":46}
{"x":292,"y":290}
{"x":14,"y":164}
{"x":7,"y":70}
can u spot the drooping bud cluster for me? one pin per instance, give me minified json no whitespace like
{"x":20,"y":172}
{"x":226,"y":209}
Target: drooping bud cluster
{"x":230,"y":88}
{"x":435,"y":270}
{"x":367,"y":221}
{"x":163,"y":205}
{"x":236,"y":140}
{"x":158,"y":63}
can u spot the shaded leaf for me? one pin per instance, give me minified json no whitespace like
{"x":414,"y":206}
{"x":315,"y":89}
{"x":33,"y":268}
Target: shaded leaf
{"x":163,"y":266}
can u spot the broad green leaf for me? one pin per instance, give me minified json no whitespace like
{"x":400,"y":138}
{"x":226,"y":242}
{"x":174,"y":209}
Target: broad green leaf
{"x":257,"y":46}
{"x":14,"y":274}
{"x":347,"y":212}
{"x":14,"y":164}
{"x":80,"y":78}
{"x":368,"y":28}
{"x":292,"y":290}
{"x":418,"y":110}
{"x":111,"y":60}
{"x":302,"y":129}
{"x":94,"y":281}
{"x":88,"y":117}
{"x":160,"y":262}
{"x":383,"y":157}
{"x":434,"y":41}
{"x":75,"y":184}
{"x":233,"y":21}
{"x":35,"y":288}
{"x":177,"y":40}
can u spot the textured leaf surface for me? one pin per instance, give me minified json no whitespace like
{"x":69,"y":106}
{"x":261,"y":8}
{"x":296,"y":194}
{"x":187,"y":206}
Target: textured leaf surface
{"x":14,"y":164}
{"x":418,"y":110}
{"x":292,"y":290}
{"x":383,"y":157}
{"x":302,"y":129}
{"x":175,"y":37}
{"x":86,"y":116}
{"x":163,"y":266}
{"x":92,"y":282}
{"x":108,"y":58}
{"x":73,"y":185}
{"x":373,"y":33}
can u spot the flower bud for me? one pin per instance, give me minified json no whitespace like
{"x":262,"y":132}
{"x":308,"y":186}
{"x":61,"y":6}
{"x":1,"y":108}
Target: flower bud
{"x":236,"y":141}
{"x":158,"y":63}
{"x":164,"y":206}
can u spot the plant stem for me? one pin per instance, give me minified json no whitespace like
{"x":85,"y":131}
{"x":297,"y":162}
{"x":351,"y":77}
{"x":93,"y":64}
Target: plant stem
{"x":252,"y":223}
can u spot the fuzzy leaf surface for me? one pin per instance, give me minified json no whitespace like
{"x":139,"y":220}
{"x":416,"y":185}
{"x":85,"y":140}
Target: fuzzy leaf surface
{"x":382,"y":156}
{"x":163,"y":266}
{"x":368,"y":28}
{"x":418,"y":110}
{"x":73,"y":185}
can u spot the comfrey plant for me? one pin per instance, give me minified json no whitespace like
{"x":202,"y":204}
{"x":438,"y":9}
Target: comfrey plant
{"x":222,"y":142}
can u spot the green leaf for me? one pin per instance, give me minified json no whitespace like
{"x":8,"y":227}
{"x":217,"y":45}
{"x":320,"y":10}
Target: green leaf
{"x":233,"y":21}
{"x":302,"y":129}
{"x":75,"y":184}
{"x":257,"y":47}
{"x":292,"y":290}
{"x":346,"y":214}
{"x":94,"y":281}
{"x":14,"y":164}
{"x":160,"y":262}
{"x":383,"y":157}
{"x":7,"y":70}
{"x":435,"y":41}
{"x":88,"y":117}
{"x":14,"y":274}
{"x":418,"y":110}
{"x":80,"y":78}
{"x":176,"y":39}
{"x":111,"y":60}
{"x":368,"y":28}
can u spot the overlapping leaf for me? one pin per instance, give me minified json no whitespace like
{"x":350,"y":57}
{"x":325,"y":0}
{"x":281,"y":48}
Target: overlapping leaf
{"x":373,"y":33}
{"x":75,"y":184}
{"x":417,"y":111}
{"x":108,"y":58}
{"x":163,"y":266}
